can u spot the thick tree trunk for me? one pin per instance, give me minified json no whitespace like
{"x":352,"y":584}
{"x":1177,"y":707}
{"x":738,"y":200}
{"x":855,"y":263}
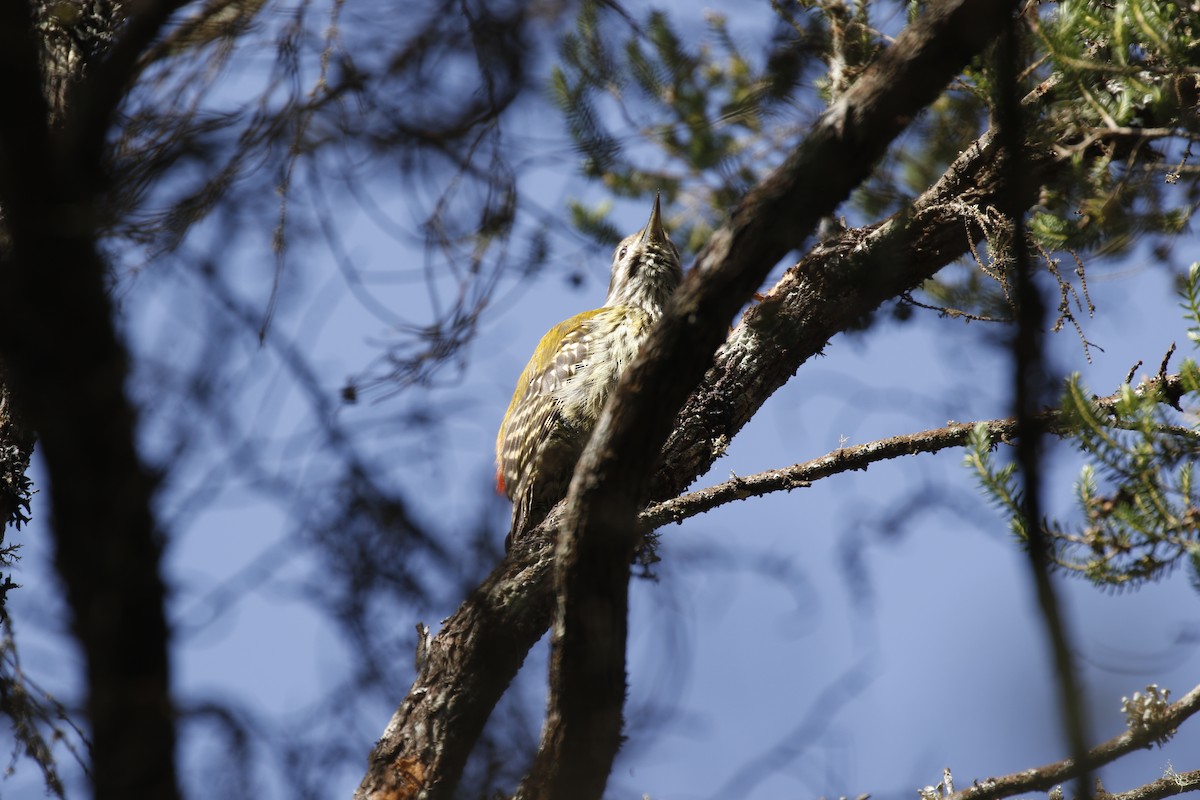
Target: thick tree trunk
{"x":66,"y":370}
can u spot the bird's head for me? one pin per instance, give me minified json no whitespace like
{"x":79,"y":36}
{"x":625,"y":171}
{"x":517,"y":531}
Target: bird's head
{"x":646,"y":267}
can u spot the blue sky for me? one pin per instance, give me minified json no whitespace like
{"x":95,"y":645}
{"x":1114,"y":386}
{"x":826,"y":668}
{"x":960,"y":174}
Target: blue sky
{"x":855,"y":637}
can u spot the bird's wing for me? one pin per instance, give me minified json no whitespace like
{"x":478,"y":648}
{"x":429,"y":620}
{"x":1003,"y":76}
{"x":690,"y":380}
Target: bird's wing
{"x":555,"y":361}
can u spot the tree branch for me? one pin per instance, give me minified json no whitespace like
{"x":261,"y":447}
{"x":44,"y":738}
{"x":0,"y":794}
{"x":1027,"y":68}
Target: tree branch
{"x":93,"y":100}
{"x":24,"y":126}
{"x":859,"y":457}
{"x":1047,"y":776}
{"x":814,"y":301}
{"x":612,"y":481}
{"x":1031,"y":384}
{"x":218,"y":18}
{"x":832,"y":287}
{"x":465,"y":670}
{"x":429,"y":736}
{"x":1166,"y":786}
{"x":835,"y":284}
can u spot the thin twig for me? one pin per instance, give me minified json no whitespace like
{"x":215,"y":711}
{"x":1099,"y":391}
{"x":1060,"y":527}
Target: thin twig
{"x":1169,"y":785}
{"x":860,"y":457}
{"x":1049,"y":775}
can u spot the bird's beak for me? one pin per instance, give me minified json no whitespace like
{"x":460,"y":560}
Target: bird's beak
{"x":653,"y":232}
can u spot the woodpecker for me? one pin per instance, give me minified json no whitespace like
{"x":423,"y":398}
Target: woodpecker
{"x":566,"y":384}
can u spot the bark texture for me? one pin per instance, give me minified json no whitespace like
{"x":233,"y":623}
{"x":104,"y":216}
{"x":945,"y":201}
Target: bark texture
{"x":597,"y":541}
{"x":66,"y":369}
{"x":420,"y":753}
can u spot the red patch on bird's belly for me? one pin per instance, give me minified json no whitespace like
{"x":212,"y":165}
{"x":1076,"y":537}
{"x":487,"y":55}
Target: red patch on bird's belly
{"x":499,"y":482}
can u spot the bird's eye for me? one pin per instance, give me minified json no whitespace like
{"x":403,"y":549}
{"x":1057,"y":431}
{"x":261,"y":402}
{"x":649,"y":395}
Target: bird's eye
{"x":621,"y":254}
